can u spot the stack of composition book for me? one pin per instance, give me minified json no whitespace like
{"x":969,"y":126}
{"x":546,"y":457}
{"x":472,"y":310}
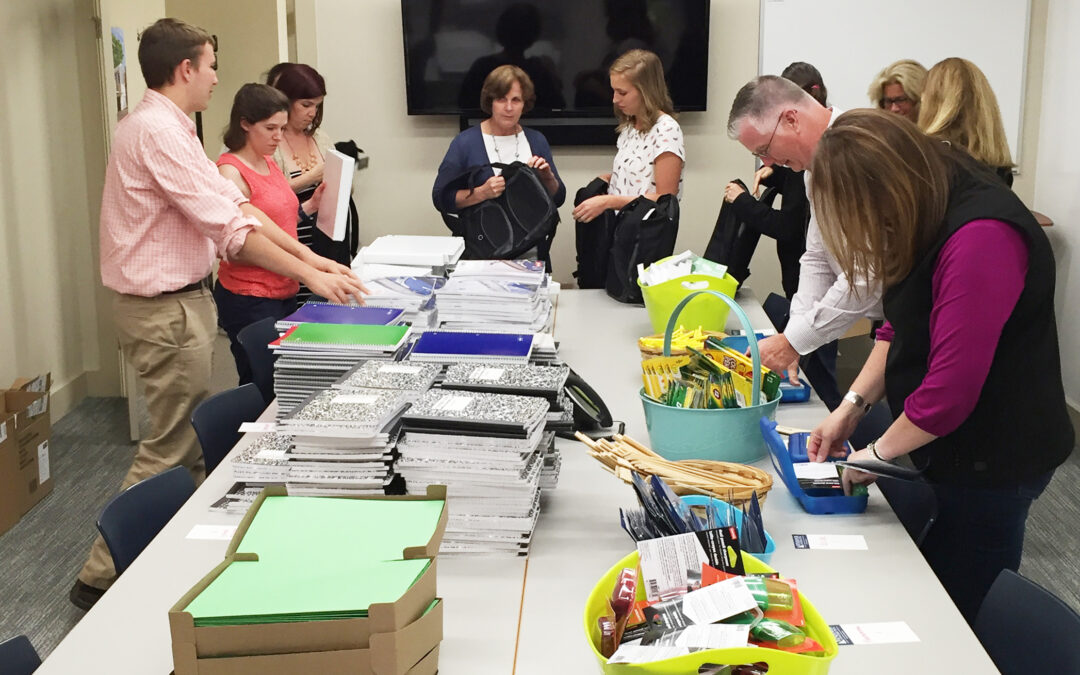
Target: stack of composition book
{"x":486,"y":449}
{"x":312,"y":356}
{"x":503,"y":295}
{"x":295,"y":595}
{"x":415,"y":296}
{"x":262,"y":462}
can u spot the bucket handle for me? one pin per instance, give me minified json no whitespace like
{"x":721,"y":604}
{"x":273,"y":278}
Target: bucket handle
{"x":751,"y":337}
{"x":695,"y":285}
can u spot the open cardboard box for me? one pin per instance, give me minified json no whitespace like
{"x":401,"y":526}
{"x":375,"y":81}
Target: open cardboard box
{"x":25,"y":471}
{"x":391,"y":634}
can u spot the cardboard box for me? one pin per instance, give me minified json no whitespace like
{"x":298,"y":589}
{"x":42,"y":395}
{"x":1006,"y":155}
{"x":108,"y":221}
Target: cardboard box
{"x":25,"y":469}
{"x":391,"y":640}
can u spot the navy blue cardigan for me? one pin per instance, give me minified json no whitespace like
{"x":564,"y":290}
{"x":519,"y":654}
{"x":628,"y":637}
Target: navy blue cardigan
{"x":467,"y":150}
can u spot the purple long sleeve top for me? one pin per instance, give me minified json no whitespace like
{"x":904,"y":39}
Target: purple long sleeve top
{"x":978,"y":278}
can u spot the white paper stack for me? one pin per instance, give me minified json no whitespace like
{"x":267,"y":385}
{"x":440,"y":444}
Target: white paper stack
{"x":414,"y":295}
{"x":487,"y":449}
{"x":496,"y":295}
{"x":343,"y":442}
{"x":399,"y":249}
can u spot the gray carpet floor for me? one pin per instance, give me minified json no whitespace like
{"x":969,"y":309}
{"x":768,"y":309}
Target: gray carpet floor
{"x":91,"y":452}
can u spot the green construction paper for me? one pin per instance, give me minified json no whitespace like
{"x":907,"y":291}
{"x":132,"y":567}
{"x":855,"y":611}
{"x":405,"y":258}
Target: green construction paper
{"x":346,"y":334}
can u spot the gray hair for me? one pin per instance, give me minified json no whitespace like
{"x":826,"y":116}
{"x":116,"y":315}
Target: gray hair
{"x":762,"y":95}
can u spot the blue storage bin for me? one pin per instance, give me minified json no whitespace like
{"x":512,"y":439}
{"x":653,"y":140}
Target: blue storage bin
{"x":720,"y":508}
{"x":814,"y":501}
{"x":788,"y":392}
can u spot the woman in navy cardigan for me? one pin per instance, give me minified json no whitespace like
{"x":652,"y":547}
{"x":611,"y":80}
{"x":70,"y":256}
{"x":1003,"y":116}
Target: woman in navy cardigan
{"x":507,"y":93}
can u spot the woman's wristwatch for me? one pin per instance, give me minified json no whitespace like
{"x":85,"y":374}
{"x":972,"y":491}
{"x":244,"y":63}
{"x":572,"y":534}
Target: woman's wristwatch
{"x":857,"y":400}
{"x":872,"y":447}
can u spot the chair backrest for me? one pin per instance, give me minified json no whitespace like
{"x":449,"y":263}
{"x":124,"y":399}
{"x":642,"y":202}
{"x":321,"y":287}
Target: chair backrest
{"x":217,"y":420}
{"x":914,"y":504}
{"x":18,"y":656}
{"x":133,"y":518}
{"x":254,"y":339}
{"x":1027,"y":629}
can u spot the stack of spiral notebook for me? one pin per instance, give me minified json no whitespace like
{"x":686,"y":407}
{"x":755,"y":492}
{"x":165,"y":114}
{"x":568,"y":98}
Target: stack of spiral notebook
{"x":442,"y":346}
{"x":487,"y":449}
{"x":343,"y":442}
{"x":496,"y":295}
{"x":329,"y":313}
{"x":312,"y":356}
{"x":415,"y":296}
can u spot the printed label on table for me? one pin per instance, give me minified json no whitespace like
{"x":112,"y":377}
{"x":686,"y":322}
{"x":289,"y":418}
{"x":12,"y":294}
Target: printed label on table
{"x":355,"y":399}
{"x":888,"y":632}
{"x":834,"y":542}
{"x":258,"y":427}
{"x":400,"y":370}
{"x":487,"y":374}
{"x":43,"y":462}
{"x":212,"y":532}
{"x":453,"y":403}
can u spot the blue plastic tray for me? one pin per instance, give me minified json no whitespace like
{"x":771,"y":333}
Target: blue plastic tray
{"x":812,"y":501}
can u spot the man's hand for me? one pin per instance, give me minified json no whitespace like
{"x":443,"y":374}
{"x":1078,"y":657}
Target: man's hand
{"x":778,"y":355}
{"x":828,"y":438}
{"x":762,"y":173}
{"x":590,"y":209}
{"x":337,"y":286}
{"x":731,"y":191}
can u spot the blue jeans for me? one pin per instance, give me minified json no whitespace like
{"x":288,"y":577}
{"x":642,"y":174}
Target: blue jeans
{"x":978,"y":533}
{"x":237,"y":312}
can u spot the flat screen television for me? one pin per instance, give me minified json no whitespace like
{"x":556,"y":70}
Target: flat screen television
{"x":565,"y":46}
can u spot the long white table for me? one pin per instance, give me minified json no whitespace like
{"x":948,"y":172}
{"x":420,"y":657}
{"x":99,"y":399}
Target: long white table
{"x":514,"y":615}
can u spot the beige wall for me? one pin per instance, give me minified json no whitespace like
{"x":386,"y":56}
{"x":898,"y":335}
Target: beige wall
{"x":251,"y":38}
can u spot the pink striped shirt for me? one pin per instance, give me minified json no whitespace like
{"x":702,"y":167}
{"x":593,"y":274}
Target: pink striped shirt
{"x":166,"y":212}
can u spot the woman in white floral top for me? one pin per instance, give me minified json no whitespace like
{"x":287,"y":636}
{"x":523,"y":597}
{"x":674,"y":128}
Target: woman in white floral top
{"x":650,"y":153}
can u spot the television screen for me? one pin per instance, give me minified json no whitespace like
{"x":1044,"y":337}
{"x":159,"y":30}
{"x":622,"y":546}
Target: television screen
{"x":565,"y":46}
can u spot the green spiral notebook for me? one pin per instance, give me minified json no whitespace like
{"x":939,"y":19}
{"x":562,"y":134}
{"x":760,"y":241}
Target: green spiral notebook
{"x":328,"y":335}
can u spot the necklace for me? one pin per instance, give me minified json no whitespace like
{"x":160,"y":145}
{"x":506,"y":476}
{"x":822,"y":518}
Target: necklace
{"x":495,"y":144}
{"x":309,"y":162}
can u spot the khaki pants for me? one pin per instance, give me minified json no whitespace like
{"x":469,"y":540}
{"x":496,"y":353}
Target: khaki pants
{"x":169,"y":340}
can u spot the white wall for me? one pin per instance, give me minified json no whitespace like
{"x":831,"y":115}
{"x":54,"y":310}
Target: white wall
{"x":1058,"y":175}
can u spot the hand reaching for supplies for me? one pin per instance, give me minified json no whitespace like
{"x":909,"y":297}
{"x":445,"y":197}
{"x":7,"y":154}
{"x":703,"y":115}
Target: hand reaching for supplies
{"x":761,"y":174}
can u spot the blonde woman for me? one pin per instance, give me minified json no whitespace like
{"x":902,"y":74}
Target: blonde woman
{"x":959,"y":106}
{"x":968,"y":279}
{"x":898,"y":88}
{"x":650,"y":155}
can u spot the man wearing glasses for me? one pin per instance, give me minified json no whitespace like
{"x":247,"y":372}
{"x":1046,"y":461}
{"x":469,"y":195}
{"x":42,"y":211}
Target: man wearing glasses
{"x":779,"y":123}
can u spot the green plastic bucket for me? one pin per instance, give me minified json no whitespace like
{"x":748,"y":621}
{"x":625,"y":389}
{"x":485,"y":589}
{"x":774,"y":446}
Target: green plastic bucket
{"x":729,"y":435}
{"x":705,"y":311}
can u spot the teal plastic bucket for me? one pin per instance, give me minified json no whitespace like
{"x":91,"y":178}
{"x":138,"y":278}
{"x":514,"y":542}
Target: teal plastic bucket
{"x":728,"y":435}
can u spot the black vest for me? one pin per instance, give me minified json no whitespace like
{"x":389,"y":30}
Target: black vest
{"x":1020,"y":427}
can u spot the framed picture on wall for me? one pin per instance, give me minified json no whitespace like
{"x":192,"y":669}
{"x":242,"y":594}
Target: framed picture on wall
{"x":119,"y":59}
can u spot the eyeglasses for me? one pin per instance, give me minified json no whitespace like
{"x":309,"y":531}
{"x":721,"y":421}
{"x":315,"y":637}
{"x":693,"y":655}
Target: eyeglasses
{"x":762,"y":154}
{"x":890,"y":102}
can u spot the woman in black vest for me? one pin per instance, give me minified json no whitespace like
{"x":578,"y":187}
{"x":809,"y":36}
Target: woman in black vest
{"x":968,"y":359}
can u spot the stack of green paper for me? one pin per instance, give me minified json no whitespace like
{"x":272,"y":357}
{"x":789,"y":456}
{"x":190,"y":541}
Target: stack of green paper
{"x":319,"y":559}
{"x":345,"y":336}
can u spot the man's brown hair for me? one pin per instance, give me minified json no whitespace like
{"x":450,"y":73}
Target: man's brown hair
{"x":165,"y":45}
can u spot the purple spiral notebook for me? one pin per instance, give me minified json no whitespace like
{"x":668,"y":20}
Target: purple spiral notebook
{"x":324,"y":312}
{"x":450,"y":346}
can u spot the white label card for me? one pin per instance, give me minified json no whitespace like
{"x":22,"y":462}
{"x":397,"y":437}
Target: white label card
{"x":888,"y":632}
{"x":258,"y":427}
{"x":355,"y":399}
{"x":718,"y":601}
{"x":401,"y":370}
{"x":631,"y":652}
{"x":834,"y":542}
{"x":487,"y":374}
{"x":816,"y":470}
{"x":43,"y":462}
{"x":665,"y":562}
{"x":453,"y":403}
{"x":713,"y":636}
{"x":272,"y":455}
{"x":3,"y":431}
{"x":212,"y":532}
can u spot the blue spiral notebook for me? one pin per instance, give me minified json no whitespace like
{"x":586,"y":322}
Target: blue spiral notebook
{"x":324,"y":312}
{"x":450,"y":346}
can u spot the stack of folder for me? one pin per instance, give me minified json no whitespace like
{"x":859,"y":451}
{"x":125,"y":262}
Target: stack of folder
{"x":415,"y":296}
{"x":503,"y":295}
{"x":294,"y":595}
{"x":343,"y":442}
{"x":312,"y":356}
{"x":486,"y":449}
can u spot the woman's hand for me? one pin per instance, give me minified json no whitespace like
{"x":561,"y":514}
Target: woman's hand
{"x":761,"y":174}
{"x":590,"y":209}
{"x":315,"y":201}
{"x":731,"y":191}
{"x":540,"y":164}
{"x":852,"y":477}
{"x":492,"y":188}
{"x":829,"y":436}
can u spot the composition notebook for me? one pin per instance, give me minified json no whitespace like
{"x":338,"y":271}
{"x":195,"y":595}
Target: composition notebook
{"x":449,"y":346}
{"x":324,"y":312}
{"x":345,"y":336}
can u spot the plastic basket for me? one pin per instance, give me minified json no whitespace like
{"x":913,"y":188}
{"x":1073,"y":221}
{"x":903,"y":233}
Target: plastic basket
{"x":731,"y":434}
{"x":816,"y":501}
{"x":709,"y":313}
{"x":717,"y":505}
{"x":780,"y":662}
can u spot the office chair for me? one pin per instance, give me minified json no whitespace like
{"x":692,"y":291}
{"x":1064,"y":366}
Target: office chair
{"x":217,"y":420}
{"x":133,"y":518}
{"x":254,"y":339}
{"x":18,"y":656}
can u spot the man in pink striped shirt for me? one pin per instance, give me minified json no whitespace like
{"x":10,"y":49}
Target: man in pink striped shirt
{"x":166,"y":214}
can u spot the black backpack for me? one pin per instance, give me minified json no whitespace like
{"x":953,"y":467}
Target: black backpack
{"x":593,"y":240}
{"x":644,"y":232}
{"x":523,"y":217}
{"x":733,"y":242}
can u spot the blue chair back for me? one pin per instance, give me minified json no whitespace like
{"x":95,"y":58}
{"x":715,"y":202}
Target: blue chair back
{"x":914,"y":504}
{"x":18,"y":656}
{"x":254,"y":339}
{"x":1027,"y":629}
{"x":217,"y":420}
{"x":133,"y":518}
